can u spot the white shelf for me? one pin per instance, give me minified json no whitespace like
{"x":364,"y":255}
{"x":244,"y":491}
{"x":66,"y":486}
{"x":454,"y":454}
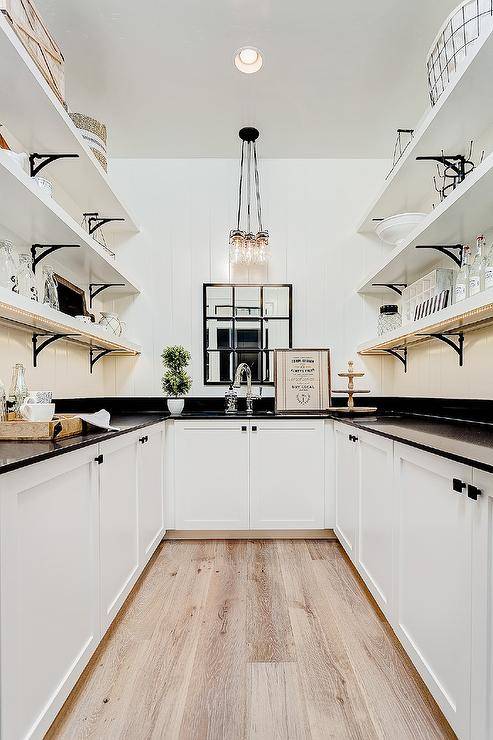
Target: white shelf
{"x":468,"y":210}
{"x":35,"y":116}
{"x":467,"y":315}
{"x":31,"y":315}
{"x":35,"y":218}
{"x":462,"y":113}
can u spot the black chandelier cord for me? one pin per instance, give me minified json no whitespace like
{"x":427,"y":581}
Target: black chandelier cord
{"x":249,"y":185}
{"x":257,"y":187}
{"x":241,"y":183}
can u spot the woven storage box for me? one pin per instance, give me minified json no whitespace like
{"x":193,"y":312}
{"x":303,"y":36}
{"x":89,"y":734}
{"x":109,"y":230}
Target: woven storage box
{"x":42,"y":47}
{"x":94,"y":134}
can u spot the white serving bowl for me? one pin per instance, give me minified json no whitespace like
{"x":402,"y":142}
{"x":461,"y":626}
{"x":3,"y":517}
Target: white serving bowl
{"x":395,"y":229}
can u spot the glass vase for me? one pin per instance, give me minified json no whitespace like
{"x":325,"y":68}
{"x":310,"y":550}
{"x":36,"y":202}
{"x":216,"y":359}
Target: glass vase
{"x":18,"y":387}
{"x":50,"y":291}
{"x":8,"y":265}
{"x":26,"y":281}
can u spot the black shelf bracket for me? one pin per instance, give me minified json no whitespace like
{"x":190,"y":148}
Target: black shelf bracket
{"x":396,"y":287}
{"x":99,"y":289}
{"x":49,"y":249}
{"x":38,"y":161}
{"x":396,"y":352}
{"x":49,"y":339}
{"x":95,"y":221}
{"x":456,"y":162}
{"x":96,"y":353}
{"x":444,"y":337}
{"x":449,"y":250}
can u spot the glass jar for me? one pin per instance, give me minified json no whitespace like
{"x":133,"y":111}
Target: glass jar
{"x":8,"y":265}
{"x":26,"y":281}
{"x":388,"y":319}
{"x":18,"y":387}
{"x":50,"y":289}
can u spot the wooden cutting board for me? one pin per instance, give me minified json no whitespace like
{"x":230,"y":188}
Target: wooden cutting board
{"x":60,"y":427}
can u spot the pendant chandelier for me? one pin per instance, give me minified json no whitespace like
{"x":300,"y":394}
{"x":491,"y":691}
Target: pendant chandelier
{"x":246,"y":247}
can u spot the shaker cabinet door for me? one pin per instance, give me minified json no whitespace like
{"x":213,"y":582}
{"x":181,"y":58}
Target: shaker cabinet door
{"x":376,"y":516}
{"x":347,"y":483}
{"x":211,"y":474}
{"x":49,"y":587}
{"x":119,"y":508}
{"x":432,"y":575}
{"x":151,"y":490}
{"x":482,"y":609}
{"x":287,"y":474}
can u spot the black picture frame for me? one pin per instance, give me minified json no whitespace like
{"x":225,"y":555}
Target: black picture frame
{"x":259,"y":354}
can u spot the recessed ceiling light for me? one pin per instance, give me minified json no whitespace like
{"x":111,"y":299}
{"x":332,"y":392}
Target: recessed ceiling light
{"x":248,"y":59}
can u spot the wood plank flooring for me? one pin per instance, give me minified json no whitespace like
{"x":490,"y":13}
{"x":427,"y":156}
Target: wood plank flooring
{"x":260,"y":639}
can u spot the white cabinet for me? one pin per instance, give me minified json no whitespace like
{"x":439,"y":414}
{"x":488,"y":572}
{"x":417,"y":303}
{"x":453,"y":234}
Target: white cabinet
{"x":151,"y":490}
{"x":248,"y":474}
{"x":287,"y":474}
{"x":347,"y":483}
{"x":375,"y":516}
{"x":119,"y":509}
{"x":49,"y":587}
{"x":482,"y":610}
{"x":211,"y":474}
{"x":433,"y":576}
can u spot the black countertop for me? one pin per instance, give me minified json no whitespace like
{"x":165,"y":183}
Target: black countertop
{"x":465,"y":442}
{"x":470,"y":443}
{"x":15,"y":455}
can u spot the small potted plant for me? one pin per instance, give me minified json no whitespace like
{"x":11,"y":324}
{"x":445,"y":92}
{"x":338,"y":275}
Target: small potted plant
{"x":176,"y":382}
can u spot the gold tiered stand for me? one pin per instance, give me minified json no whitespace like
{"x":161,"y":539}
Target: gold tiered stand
{"x":350,"y":374}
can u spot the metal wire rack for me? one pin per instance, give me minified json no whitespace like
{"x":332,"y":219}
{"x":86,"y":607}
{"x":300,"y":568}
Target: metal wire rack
{"x":470,"y":20}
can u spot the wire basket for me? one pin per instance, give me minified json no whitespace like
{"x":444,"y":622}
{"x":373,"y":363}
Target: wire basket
{"x":465,"y":25}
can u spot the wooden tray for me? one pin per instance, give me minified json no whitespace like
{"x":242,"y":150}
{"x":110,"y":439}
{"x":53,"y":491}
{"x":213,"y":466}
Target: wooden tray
{"x":60,"y":427}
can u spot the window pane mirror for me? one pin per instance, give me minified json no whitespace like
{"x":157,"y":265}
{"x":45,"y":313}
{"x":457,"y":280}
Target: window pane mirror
{"x":244,"y":323}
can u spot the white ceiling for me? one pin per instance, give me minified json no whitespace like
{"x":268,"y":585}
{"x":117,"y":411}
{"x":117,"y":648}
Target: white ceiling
{"x":338,"y":77}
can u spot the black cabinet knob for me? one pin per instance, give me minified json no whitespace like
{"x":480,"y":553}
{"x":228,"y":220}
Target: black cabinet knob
{"x":473,"y":492}
{"x":254,"y":429}
{"x":458,"y":485}
{"x":243,"y":428}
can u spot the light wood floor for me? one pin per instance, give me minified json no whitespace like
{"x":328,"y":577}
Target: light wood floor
{"x":250,"y":639}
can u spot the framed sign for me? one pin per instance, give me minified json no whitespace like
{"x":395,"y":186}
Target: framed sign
{"x":302,"y":380}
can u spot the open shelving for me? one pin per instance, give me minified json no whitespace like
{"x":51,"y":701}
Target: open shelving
{"x":462,"y":113}
{"x":468,"y":315}
{"x":36,"y":218}
{"x":37,"y":317}
{"x":33,"y":113}
{"x":458,"y":218}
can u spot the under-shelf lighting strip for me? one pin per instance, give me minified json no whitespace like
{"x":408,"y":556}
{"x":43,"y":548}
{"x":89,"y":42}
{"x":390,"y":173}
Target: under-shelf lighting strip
{"x":55,"y":324}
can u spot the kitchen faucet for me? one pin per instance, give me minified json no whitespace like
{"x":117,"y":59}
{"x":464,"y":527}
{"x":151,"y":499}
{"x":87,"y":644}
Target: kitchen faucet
{"x":244,"y":368}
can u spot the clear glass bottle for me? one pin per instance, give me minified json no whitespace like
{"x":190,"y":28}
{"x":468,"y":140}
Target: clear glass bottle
{"x":388,"y":319}
{"x":231,"y":401}
{"x":50,"y":288}
{"x":476,"y":273}
{"x":8,"y":265}
{"x":461,"y":288}
{"x":26,"y":281}
{"x":3,"y":402}
{"x":18,"y":387}
{"x":488,"y":269}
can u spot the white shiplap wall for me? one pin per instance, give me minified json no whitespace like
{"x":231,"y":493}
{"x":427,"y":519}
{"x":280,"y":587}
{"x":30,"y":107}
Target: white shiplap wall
{"x":186,"y":208}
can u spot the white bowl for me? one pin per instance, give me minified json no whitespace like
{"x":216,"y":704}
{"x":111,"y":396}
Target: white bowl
{"x":395,"y":229}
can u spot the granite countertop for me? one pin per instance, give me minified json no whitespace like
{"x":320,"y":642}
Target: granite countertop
{"x":468,"y":443}
{"x":15,"y":455}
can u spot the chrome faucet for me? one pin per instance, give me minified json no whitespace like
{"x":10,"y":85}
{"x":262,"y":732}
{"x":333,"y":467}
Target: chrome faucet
{"x":244,"y":368}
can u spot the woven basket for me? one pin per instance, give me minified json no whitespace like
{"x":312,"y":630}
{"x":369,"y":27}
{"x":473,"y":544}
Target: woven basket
{"x":94,"y":134}
{"x":471,"y":20}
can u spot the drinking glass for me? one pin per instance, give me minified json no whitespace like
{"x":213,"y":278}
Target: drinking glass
{"x":50,"y":288}
{"x":8,"y":266}
{"x":26,"y":281}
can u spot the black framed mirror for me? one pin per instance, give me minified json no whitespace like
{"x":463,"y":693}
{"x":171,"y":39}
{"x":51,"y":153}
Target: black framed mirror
{"x":245,"y":323}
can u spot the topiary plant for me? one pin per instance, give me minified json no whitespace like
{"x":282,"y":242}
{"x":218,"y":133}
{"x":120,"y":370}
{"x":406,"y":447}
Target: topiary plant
{"x":176,"y":382}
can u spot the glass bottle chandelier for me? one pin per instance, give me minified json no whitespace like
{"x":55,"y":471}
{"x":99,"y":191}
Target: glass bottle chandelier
{"x":245,"y":247}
